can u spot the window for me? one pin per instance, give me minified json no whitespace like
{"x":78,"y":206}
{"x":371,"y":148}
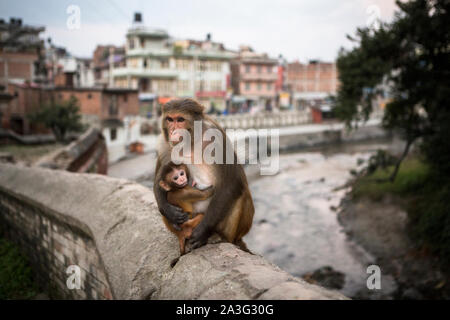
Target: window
{"x":113,"y":134}
{"x":131,"y":43}
{"x":269,"y":86}
{"x":247,"y":69}
{"x":247,"y":86}
{"x":215,"y":66}
{"x":89,"y":96}
{"x":164,"y":64}
{"x":113,"y":110}
{"x":259,"y":86}
{"x":165,"y":86}
{"x":181,"y":64}
{"x":125,"y":97}
{"x":182,"y":85}
{"x":216,"y":85}
{"x":269,"y":69}
{"x":259,"y":69}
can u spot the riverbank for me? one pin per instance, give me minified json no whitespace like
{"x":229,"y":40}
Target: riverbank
{"x":379,"y":218}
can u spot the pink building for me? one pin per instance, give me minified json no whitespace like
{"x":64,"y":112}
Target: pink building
{"x":254,"y":79}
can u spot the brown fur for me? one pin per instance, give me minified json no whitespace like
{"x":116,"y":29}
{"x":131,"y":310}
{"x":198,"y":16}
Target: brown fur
{"x":230,"y":212}
{"x":184,"y":198}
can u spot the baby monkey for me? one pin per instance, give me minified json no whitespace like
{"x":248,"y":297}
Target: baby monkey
{"x":180,"y":193}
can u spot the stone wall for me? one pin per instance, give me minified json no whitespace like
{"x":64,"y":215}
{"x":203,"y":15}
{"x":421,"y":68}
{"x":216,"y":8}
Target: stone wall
{"x":86,"y":154}
{"x":52,"y":247}
{"x":112,"y":230}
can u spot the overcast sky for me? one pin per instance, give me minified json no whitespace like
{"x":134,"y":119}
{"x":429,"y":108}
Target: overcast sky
{"x":301,"y":29}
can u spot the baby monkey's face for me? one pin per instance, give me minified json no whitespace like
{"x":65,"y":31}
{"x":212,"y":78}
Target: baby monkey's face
{"x":179,"y":178}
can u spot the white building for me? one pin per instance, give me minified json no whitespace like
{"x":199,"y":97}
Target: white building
{"x":162,"y":68}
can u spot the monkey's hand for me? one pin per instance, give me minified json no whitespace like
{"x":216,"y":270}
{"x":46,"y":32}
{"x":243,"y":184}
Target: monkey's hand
{"x":199,"y":237}
{"x":174,"y":214}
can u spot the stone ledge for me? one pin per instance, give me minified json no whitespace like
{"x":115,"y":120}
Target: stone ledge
{"x":136,"y":249}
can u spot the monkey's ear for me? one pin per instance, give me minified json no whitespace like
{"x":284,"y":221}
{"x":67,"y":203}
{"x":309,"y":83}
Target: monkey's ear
{"x":164,"y":185}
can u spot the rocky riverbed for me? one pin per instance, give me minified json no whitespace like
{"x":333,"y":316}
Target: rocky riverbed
{"x":381,"y":228}
{"x":307,"y":223}
{"x":296,"y":224}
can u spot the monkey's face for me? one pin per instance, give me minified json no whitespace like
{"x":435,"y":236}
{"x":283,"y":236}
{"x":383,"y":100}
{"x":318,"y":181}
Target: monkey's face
{"x":174,"y":122}
{"x":179,"y":178}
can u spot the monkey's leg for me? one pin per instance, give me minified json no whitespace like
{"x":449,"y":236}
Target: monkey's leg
{"x":182,"y":241}
{"x":189,"y":225}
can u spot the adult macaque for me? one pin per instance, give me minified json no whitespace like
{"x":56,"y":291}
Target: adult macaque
{"x":230,"y":210}
{"x":175,"y":180}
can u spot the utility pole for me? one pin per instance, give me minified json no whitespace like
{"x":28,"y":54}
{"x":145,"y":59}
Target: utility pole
{"x":111,"y":66}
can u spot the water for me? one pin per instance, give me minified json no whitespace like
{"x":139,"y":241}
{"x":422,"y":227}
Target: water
{"x":295,"y":224}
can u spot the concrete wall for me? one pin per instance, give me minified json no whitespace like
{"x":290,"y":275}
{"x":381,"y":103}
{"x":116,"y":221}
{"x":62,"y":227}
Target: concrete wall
{"x":86,"y":154}
{"x":112,"y":229}
{"x":264,"y":120}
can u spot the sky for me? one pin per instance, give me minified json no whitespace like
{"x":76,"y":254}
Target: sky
{"x":297,"y":29}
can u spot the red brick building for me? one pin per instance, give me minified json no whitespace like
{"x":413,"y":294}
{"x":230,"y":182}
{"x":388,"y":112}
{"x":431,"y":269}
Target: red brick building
{"x":254,"y":79}
{"x":311,"y":83}
{"x":21,"y":52}
{"x":105,"y":104}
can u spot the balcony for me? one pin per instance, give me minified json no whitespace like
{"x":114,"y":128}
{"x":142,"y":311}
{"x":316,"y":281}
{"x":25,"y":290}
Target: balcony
{"x":145,"y":73}
{"x":263,"y":76}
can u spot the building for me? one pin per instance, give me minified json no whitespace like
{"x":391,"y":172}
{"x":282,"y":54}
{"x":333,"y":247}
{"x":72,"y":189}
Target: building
{"x":254,"y":80}
{"x":161,"y":68}
{"x":21,"y":53}
{"x":311,"y":84}
{"x":105,"y":59}
{"x":106,"y":107}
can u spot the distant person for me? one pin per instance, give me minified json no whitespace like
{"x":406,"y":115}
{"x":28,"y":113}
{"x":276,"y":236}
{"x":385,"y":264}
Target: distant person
{"x":212,"y":110}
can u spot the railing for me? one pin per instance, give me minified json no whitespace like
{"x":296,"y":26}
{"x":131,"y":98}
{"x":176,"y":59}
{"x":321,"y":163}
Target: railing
{"x":264,"y":120}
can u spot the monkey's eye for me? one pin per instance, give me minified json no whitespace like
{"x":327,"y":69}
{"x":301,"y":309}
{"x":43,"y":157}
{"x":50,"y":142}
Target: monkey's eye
{"x":182,"y":173}
{"x":180,"y":119}
{"x":169,"y":119}
{"x":175,"y":178}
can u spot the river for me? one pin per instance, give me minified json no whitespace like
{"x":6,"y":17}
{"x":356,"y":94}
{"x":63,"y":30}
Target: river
{"x":295,"y":224}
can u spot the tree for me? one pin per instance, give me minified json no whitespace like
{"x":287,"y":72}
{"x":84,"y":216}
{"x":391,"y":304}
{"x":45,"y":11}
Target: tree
{"x":60,"y":117}
{"x":411,"y":55}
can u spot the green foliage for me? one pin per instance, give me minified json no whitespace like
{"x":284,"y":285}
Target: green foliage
{"x":425,"y":197}
{"x":381,"y":159}
{"x":60,"y":117}
{"x":16,"y":278}
{"x":429,"y":214}
{"x":410,"y":56}
{"x":412,"y":176}
{"x":177,"y":50}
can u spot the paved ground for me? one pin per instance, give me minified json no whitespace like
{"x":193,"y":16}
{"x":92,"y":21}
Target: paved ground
{"x":137,"y":168}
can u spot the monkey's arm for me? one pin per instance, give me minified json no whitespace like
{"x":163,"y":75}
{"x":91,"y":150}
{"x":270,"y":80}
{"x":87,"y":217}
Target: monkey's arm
{"x":173,"y":213}
{"x":220,"y":205}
